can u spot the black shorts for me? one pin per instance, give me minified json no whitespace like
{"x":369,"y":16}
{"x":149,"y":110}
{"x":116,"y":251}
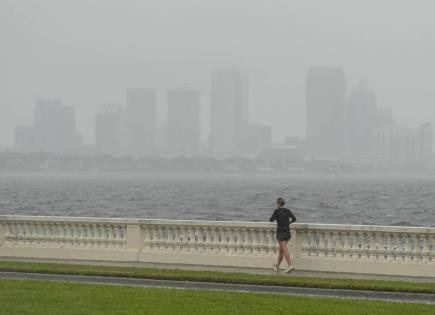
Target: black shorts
{"x":283,"y":236}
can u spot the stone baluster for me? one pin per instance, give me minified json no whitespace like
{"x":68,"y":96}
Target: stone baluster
{"x":238,"y":240}
{"x":169,"y":237}
{"x":18,"y":232}
{"x":115,"y":235}
{"x":197,"y":238}
{"x":188,"y":239}
{"x":263,"y":241}
{"x":407,"y":252}
{"x":223,"y":240}
{"x":412,"y":247}
{"x":431,"y":248}
{"x":246,"y":245}
{"x":349,"y":245}
{"x":88,"y":237}
{"x":216,"y":240}
{"x":341,"y":243}
{"x":241,"y":241}
{"x":309,"y":242}
{"x":37,"y":233}
{"x":208,"y":240}
{"x":255,"y":241}
{"x":157,"y":237}
{"x":23,"y":234}
{"x":100,"y":235}
{"x":395,"y":248}
{"x":2,"y":233}
{"x":317,"y":242}
{"x":231,"y":244}
{"x":272,"y":243}
{"x":205,"y":238}
{"x":178,"y":238}
{"x":334,"y":239}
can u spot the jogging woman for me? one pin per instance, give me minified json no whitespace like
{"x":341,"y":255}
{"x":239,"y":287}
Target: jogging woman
{"x":282,"y":216}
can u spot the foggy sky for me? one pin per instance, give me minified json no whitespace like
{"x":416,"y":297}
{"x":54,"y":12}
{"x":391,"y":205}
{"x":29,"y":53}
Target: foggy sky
{"x":87,"y":52}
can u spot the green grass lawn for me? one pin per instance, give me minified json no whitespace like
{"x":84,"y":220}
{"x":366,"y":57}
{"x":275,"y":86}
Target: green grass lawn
{"x":221,"y":277}
{"x":49,"y":297}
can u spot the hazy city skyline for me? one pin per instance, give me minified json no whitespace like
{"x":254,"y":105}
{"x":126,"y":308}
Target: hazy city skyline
{"x":159,"y":44}
{"x":342,"y":125}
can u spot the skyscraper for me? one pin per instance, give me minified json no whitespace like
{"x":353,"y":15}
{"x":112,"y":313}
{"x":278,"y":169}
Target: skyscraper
{"x":425,"y":143}
{"x":183,"y":122}
{"x":24,"y":137}
{"x":259,"y":136}
{"x":397,"y":146}
{"x":140,"y":122}
{"x":229,"y":113}
{"x":362,"y":119}
{"x":325,"y":112}
{"x":54,"y":127}
{"x":385,"y":117}
{"x":108,"y":129}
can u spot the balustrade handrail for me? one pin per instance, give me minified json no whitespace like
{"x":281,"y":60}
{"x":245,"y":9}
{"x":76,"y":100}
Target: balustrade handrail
{"x":21,"y":218}
{"x":295,"y":226}
{"x":363,"y":228}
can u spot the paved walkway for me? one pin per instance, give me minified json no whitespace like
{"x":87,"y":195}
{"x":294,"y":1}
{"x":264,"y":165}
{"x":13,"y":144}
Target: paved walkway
{"x":301,"y":273}
{"x":354,"y":294}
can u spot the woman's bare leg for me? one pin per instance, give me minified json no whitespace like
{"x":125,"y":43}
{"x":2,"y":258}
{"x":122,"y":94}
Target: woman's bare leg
{"x":284,"y":249}
{"x":280,"y":255}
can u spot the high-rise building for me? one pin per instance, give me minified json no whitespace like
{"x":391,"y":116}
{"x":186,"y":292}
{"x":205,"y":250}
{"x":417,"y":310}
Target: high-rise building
{"x":325,"y":112}
{"x":54,"y":127}
{"x":425,"y":144}
{"x":362,"y":119}
{"x":24,"y":138}
{"x":183,"y":122}
{"x":229,"y":113}
{"x":397,"y":146}
{"x":259,"y":136}
{"x":385,"y":117}
{"x":140,"y":122}
{"x":108,"y":129}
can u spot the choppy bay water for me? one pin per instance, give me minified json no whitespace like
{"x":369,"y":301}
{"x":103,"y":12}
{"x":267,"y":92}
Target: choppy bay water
{"x":394,"y":200}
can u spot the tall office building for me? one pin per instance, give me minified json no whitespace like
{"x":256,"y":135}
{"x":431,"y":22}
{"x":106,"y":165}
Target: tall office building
{"x":108,"y":123}
{"x":140,"y":122}
{"x":362,"y":119}
{"x":24,"y":137}
{"x":259,"y":137}
{"x":325,"y":112}
{"x":385,"y":117}
{"x":425,"y":144}
{"x":229,"y":113}
{"x":183,"y":122}
{"x":397,"y":146}
{"x":54,"y":127}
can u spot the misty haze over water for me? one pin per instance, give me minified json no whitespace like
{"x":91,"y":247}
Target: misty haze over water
{"x":249,"y":99}
{"x":393,"y":200}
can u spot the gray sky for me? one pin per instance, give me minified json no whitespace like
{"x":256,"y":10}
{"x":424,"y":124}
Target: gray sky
{"x":88,"y":51}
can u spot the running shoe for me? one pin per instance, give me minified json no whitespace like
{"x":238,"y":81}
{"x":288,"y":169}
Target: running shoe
{"x":289,"y":269}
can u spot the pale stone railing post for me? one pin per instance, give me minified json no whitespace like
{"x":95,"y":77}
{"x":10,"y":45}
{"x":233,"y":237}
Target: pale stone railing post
{"x":2,"y":233}
{"x":294,"y":244}
{"x":135,"y":237}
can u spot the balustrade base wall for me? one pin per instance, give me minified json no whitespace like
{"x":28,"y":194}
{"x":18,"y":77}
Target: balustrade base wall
{"x":365,"y":267}
{"x":250,"y":261}
{"x":113,"y":255}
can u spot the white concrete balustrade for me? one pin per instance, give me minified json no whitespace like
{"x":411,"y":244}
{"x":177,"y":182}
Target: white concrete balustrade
{"x":404,"y":251}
